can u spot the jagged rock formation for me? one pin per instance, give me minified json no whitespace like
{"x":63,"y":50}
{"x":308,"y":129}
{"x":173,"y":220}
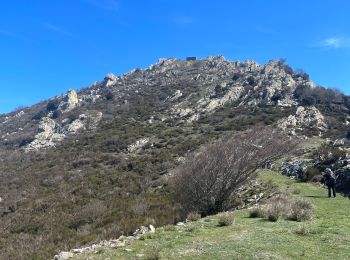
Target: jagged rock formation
{"x":193,"y":88}
{"x":70,"y":101}
{"x":304,"y":117}
{"x":51,"y":132}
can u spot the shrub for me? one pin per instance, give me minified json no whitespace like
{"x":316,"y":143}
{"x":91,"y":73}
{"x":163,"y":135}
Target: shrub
{"x":56,"y":114}
{"x":52,"y":105}
{"x":327,"y":154}
{"x":152,"y":253}
{"x":207,"y":182}
{"x":225,"y":219}
{"x":301,"y":210}
{"x":147,"y":236}
{"x":303,"y":230}
{"x":190,"y":229}
{"x":278,"y":207}
{"x":109,"y":95}
{"x":257,"y":212}
{"x":273,"y":215}
{"x":310,"y":173}
{"x":39,"y":115}
{"x":193,"y":216}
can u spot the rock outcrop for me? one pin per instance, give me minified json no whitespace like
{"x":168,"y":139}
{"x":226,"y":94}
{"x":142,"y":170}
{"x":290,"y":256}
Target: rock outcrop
{"x":113,"y":243}
{"x":51,"y":132}
{"x":304,"y":117}
{"x":69,"y":102}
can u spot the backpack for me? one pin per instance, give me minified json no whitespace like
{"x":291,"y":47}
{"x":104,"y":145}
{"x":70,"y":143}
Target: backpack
{"x":329,"y":179}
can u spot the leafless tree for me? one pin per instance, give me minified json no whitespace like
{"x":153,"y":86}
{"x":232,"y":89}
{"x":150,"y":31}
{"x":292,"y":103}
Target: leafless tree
{"x":207,"y":181}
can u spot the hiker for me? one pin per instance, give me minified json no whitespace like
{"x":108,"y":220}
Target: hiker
{"x":329,"y":181}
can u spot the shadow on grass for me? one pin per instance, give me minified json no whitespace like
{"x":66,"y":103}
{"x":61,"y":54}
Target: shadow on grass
{"x":315,"y":196}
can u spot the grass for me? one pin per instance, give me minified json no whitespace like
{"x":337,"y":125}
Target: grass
{"x":327,"y":236}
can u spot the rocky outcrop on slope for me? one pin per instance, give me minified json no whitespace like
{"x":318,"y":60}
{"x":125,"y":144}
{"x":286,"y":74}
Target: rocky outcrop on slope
{"x":184,"y":91}
{"x":70,"y":101}
{"x":304,"y":117}
{"x":50,"y":132}
{"x":113,"y":243}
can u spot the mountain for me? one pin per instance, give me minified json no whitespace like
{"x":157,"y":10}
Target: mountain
{"x":93,"y":164}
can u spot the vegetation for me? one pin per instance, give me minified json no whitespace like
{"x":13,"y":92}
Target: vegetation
{"x":225,"y":219}
{"x":207,"y":182}
{"x":257,"y":212}
{"x":301,"y":210}
{"x":250,"y":238}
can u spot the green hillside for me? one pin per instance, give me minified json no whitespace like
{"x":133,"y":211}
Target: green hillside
{"x":327,"y":236}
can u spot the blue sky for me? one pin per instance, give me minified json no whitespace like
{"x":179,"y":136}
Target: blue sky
{"x":47,"y":47}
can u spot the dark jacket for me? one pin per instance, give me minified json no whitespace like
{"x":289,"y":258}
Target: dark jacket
{"x":328,"y":179}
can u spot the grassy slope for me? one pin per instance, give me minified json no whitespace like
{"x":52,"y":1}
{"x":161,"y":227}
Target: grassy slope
{"x":252,"y":238}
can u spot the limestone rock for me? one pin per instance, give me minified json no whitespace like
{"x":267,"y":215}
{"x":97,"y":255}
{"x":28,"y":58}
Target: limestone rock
{"x":295,"y":169}
{"x":304,"y":117}
{"x":70,"y":101}
{"x":339,"y":142}
{"x":64,"y":256}
{"x":110,"y":80}
{"x":152,"y":229}
{"x":138,"y":144}
{"x":51,"y":132}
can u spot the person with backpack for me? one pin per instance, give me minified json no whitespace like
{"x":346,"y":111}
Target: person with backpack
{"x":329,"y":180}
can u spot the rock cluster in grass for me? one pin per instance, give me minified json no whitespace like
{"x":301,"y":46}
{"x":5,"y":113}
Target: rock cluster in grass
{"x":295,"y":169}
{"x":113,"y":243}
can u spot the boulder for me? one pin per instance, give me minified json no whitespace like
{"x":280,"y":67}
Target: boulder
{"x":69,"y":102}
{"x":295,"y":169}
{"x":152,"y":229}
{"x":64,"y":256}
{"x":339,"y":142}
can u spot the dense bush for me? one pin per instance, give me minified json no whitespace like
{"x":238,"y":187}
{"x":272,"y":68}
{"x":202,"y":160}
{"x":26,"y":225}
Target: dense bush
{"x":327,"y":154}
{"x":225,"y":219}
{"x":277,"y":207}
{"x":193,"y":216}
{"x":52,"y":105}
{"x":310,"y":173}
{"x":301,"y":210}
{"x":207,"y":182}
{"x":303,"y":230}
{"x":256,"y":212}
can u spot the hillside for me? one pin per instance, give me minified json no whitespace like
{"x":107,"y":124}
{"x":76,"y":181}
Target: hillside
{"x":94,"y":164}
{"x":324,"y":237}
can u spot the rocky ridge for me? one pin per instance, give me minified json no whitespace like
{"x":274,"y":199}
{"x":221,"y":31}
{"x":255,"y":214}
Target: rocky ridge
{"x":215,"y":83}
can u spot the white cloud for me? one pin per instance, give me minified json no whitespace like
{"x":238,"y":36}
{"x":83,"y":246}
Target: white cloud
{"x":56,"y":29}
{"x":336,"y":42}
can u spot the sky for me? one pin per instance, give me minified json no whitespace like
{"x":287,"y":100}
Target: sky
{"x":48,"y":47}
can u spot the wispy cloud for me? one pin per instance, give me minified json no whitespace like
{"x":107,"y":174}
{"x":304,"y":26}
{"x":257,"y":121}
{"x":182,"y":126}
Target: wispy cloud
{"x":264,"y":30}
{"x":335,"y":42}
{"x":112,"y":5}
{"x":183,"y":20}
{"x":57,"y":29}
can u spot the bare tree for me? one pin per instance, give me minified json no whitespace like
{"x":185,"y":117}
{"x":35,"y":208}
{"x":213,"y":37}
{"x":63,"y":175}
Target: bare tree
{"x":208,"y":180}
